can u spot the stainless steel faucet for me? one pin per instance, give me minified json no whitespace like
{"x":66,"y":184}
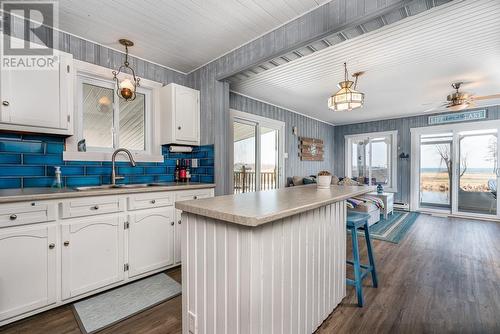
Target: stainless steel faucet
{"x":115,"y":177}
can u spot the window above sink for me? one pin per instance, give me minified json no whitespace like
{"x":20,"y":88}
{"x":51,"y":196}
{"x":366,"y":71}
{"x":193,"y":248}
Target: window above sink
{"x":107,"y":122}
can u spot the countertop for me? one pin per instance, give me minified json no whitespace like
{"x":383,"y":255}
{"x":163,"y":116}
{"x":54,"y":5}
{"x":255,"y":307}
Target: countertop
{"x":257,"y":208}
{"x":38,"y":194}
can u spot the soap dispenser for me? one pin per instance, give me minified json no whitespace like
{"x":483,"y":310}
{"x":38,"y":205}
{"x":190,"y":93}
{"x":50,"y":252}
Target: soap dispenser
{"x":57,"y":178}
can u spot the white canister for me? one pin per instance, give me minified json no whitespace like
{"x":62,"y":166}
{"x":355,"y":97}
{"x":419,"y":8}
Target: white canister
{"x":324,"y":181}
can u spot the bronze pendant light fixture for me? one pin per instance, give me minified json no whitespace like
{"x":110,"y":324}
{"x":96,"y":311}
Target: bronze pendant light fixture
{"x":127,"y":87}
{"x":347,"y":98}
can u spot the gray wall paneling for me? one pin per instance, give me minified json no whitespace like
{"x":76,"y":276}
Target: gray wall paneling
{"x":307,"y":127}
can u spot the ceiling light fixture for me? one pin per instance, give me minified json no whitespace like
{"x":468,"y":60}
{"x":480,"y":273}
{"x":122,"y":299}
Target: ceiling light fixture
{"x":126,"y":87}
{"x":347,"y":98}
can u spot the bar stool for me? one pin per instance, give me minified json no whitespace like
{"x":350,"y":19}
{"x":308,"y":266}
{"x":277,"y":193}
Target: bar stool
{"x":355,"y":221}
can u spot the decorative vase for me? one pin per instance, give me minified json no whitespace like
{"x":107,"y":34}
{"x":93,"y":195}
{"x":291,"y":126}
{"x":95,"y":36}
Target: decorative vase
{"x":324,"y":181}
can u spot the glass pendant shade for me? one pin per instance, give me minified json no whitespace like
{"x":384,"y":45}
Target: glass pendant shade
{"x":347,"y":98}
{"x":127,"y":87}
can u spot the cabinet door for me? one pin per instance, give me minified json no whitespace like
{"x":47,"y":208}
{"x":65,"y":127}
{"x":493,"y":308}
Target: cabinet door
{"x":37,"y":98}
{"x":177,"y":241}
{"x":28,"y":269}
{"x":187,"y":114}
{"x":92,"y":254}
{"x":151,"y":240}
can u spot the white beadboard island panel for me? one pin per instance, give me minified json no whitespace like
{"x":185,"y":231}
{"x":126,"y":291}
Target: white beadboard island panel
{"x":284,"y":276}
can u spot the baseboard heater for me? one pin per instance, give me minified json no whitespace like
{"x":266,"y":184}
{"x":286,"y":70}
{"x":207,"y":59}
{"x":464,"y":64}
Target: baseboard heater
{"x":402,"y":206}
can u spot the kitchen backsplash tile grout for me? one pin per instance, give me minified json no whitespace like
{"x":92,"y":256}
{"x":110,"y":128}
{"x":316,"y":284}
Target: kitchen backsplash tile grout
{"x":29,"y":160}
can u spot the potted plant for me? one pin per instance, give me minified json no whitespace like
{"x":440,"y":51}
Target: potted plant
{"x":324,"y":179}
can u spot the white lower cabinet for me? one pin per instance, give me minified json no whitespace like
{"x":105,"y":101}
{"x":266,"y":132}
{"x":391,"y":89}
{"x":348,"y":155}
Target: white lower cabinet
{"x":27,"y":269}
{"x":92,"y":254}
{"x":151,"y":240}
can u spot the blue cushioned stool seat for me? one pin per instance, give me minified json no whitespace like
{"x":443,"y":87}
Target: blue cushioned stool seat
{"x":355,"y":221}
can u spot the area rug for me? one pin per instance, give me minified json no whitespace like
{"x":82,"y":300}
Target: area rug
{"x":97,"y":312}
{"x":394,"y":228}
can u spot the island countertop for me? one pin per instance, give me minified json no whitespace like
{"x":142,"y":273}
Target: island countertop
{"x":257,"y":208}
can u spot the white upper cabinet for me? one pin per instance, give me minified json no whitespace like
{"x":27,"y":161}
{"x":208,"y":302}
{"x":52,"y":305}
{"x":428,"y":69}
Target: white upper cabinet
{"x":180,"y":110}
{"x":38,"y":100}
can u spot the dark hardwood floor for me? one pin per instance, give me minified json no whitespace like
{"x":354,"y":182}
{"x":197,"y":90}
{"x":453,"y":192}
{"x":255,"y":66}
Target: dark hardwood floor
{"x":443,"y":278}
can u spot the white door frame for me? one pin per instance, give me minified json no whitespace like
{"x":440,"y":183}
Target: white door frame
{"x":455,"y":129}
{"x":259,"y":121}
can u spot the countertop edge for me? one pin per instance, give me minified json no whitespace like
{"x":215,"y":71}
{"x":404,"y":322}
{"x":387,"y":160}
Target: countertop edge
{"x":100,"y":192}
{"x":260,"y":220}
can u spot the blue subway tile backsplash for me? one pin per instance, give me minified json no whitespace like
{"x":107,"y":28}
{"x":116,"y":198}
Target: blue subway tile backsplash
{"x":28,"y":160}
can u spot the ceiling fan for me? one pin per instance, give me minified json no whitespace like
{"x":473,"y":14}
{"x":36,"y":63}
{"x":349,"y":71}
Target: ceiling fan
{"x":460,"y":100}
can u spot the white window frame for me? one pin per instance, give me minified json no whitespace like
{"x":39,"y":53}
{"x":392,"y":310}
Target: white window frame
{"x":348,"y":139}
{"x":102,"y":76}
{"x":259,"y":121}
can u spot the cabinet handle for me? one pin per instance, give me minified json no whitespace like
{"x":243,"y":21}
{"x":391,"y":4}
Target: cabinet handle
{"x":5,"y":103}
{"x":96,"y":207}
{"x":195,"y":197}
{"x":172,"y":223}
{"x":179,"y":222}
{"x":178,"y":128}
{"x":13,"y":217}
{"x":66,"y":243}
{"x":51,"y":246}
{"x":153,"y":201}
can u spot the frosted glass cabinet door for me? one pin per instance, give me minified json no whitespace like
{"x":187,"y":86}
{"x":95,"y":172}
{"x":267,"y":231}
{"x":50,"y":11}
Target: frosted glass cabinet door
{"x":92,"y":254}
{"x":28,"y":269}
{"x":40,"y":99}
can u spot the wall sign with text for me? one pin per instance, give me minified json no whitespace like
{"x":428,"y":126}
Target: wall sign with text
{"x":464,"y":116}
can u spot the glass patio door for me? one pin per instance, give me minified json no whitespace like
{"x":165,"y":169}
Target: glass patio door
{"x":455,"y":169}
{"x":477,"y":172}
{"x":436,"y":171}
{"x":257,"y":153}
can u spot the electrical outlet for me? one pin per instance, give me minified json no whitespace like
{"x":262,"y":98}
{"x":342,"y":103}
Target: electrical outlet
{"x":194,"y":163}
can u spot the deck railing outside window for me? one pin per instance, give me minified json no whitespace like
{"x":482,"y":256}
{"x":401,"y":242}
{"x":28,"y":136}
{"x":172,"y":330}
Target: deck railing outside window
{"x":245,"y":181}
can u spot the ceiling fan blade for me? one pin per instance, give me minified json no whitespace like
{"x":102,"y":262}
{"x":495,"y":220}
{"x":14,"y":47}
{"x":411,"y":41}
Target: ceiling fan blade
{"x":486,"y":97}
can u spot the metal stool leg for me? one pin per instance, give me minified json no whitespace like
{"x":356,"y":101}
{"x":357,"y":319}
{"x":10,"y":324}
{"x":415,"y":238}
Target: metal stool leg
{"x":370,"y":255}
{"x":357,"y":268}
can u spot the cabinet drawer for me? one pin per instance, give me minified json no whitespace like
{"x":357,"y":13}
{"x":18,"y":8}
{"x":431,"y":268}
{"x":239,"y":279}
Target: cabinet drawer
{"x":26,"y":213}
{"x":188,"y":195}
{"x":150,"y":200}
{"x":92,"y":206}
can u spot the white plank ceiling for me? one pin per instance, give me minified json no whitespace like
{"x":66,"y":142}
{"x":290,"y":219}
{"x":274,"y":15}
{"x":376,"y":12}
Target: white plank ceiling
{"x":409,"y":65}
{"x":182,"y":35}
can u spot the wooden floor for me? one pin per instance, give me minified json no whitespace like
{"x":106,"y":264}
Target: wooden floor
{"x":443,"y":278}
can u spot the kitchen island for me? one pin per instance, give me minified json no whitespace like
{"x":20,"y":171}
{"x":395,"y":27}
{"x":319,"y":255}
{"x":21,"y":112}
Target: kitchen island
{"x":264,"y":262}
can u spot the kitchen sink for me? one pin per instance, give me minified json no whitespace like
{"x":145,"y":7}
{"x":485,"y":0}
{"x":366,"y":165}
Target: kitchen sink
{"x":115,"y":186}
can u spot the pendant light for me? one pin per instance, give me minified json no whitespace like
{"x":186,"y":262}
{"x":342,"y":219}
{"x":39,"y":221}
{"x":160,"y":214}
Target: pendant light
{"x":347,"y":98}
{"x":126,"y":87}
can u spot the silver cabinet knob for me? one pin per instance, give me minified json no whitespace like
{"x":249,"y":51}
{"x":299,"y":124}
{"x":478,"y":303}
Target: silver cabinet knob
{"x":5,"y":103}
{"x":13,"y":217}
{"x":153,"y":201}
{"x":51,"y":246}
{"x":66,"y":243}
